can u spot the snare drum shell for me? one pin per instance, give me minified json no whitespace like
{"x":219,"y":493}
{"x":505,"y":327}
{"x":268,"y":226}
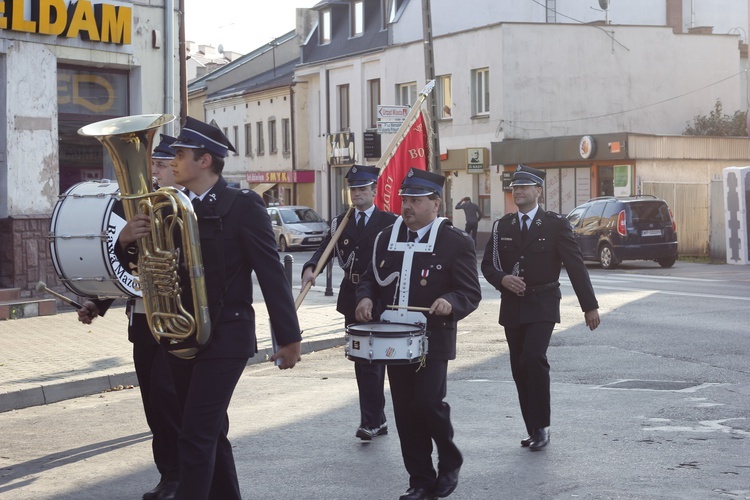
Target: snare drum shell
{"x":386,"y":343}
{"x":83,"y":231}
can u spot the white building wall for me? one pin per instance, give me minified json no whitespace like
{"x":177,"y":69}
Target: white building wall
{"x":31,"y":125}
{"x":31,"y":120}
{"x":566,"y":80}
{"x":450,"y":16}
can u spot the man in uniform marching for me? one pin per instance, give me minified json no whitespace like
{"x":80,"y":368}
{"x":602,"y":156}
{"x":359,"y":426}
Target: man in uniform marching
{"x":354,"y":252}
{"x":428,"y":269}
{"x":523,"y":260}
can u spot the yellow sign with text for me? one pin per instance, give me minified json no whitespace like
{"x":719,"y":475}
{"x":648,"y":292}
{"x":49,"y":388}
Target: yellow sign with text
{"x":98,"y":22}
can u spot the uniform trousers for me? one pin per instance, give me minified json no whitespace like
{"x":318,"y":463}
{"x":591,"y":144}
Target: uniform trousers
{"x":423,"y":417}
{"x":205,"y":387}
{"x":160,"y":402}
{"x":370,"y":384}
{"x":528,"y":362}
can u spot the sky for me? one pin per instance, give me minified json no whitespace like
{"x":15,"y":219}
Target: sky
{"x":240,"y":26}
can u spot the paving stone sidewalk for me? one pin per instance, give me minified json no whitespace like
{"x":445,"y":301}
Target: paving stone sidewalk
{"x":52,"y":358}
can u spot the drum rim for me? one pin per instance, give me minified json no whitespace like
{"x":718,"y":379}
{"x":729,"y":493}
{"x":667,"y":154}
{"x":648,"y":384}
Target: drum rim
{"x":360,"y":329}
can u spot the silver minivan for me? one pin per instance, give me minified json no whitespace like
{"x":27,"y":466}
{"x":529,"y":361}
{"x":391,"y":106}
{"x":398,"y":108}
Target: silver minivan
{"x":297,"y":227}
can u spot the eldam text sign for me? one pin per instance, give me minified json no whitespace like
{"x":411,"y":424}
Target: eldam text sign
{"x":109,"y":22}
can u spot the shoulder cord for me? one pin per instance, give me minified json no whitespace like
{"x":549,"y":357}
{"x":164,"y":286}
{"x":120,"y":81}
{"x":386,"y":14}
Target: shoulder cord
{"x":495,"y":253}
{"x":350,"y":260}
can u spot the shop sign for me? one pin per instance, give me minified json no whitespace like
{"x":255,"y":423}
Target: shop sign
{"x":475,"y":160}
{"x":285,"y":176}
{"x":110,"y":22}
{"x":586,"y":147}
{"x":82,"y":91}
{"x":341,"y":148}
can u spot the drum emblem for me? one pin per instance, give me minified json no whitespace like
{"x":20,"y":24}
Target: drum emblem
{"x":390,"y":352}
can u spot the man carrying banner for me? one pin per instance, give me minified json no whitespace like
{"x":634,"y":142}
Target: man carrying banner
{"x":354,"y":252}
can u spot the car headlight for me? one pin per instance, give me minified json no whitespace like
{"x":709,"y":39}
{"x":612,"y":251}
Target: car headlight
{"x":295,"y":231}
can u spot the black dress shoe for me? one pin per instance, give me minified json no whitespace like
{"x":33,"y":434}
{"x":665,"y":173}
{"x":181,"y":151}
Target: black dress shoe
{"x":165,"y":487}
{"x":417,"y":493}
{"x":367,"y":433}
{"x":446,"y":483}
{"x":539,"y":439}
{"x":525,"y":442}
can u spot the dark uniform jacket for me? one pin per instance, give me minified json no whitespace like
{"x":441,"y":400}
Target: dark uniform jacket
{"x":548,"y":245}
{"x":354,"y":253}
{"x":449,"y":271}
{"x":236,"y":239}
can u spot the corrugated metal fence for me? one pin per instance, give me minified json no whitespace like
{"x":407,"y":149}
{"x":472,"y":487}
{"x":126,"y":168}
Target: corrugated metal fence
{"x":690,"y":205}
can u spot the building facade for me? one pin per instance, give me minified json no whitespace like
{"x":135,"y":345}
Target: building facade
{"x":64,"y":65}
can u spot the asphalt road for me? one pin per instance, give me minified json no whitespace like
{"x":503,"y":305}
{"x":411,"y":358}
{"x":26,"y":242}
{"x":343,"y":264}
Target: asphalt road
{"x":652,"y":405}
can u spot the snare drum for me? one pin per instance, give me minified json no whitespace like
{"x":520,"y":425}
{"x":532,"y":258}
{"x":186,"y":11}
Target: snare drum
{"x":387,"y":343}
{"x":83,"y":232}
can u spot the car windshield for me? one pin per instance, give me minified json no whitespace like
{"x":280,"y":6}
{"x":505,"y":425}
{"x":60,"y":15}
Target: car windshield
{"x":649,"y":212}
{"x":299,"y":215}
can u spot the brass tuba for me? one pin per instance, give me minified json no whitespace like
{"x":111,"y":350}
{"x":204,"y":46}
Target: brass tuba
{"x":128,"y":141}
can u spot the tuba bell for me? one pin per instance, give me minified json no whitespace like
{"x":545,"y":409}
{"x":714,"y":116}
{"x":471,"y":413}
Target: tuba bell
{"x":174,"y":229}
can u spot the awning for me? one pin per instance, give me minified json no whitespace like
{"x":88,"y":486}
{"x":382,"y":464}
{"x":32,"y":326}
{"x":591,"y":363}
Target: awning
{"x":263,"y":187}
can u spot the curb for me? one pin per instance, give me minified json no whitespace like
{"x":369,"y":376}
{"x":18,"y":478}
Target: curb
{"x":60,"y":391}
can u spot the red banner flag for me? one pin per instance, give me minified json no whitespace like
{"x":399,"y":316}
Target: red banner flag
{"x":412,"y":152}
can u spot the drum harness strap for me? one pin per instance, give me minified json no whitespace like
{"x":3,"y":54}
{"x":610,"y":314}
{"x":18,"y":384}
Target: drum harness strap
{"x":402,"y":290}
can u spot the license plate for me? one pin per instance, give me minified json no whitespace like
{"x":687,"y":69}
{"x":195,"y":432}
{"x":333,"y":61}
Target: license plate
{"x":316,"y":239}
{"x":651,"y":232}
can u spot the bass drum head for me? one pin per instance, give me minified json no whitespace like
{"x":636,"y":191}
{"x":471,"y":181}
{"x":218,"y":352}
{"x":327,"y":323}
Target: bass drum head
{"x":85,"y":225}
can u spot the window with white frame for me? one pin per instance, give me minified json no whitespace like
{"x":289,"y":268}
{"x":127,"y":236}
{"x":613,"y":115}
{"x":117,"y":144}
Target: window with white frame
{"x":343,"y":91}
{"x":325,"y":27}
{"x":444,"y":98}
{"x":272,"y":136}
{"x":358,"y":17}
{"x":480,"y":91}
{"x":407,"y":93}
{"x":373,"y":99}
{"x":259,"y":128}
{"x":248,"y":139}
{"x":286,"y":137}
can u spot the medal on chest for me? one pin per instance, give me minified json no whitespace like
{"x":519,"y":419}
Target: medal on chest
{"x":425,"y":273}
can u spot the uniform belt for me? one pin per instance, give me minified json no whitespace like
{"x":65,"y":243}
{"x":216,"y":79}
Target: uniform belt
{"x":353,"y":277}
{"x":533,"y":290}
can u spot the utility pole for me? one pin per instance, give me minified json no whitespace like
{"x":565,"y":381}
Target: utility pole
{"x":429,"y":72}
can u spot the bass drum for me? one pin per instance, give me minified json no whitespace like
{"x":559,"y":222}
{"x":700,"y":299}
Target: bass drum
{"x":85,"y":224}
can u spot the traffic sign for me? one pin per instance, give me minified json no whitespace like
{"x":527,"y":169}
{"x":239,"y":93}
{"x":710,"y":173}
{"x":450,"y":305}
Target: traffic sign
{"x":392,"y":113}
{"x":388,"y":127}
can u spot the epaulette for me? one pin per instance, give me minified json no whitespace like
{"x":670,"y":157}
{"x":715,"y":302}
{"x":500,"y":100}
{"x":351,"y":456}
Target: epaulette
{"x":554,"y":214}
{"x":508,"y":216}
{"x":245,"y":191}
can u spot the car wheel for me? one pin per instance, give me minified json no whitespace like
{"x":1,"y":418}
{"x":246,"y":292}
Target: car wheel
{"x":283,"y":247}
{"x":607,"y":257}
{"x":667,"y":261}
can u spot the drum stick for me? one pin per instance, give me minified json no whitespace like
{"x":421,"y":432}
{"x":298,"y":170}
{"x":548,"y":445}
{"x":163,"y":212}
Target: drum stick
{"x":42,"y":287}
{"x":409,"y":308}
{"x":324,"y":257}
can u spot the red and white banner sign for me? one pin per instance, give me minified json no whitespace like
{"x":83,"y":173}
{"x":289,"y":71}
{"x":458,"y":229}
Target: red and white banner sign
{"x":412,"y":152}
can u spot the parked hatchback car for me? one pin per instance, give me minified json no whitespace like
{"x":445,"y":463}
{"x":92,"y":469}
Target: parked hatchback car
{"x":297,"y":227}
{"x":610,"y":230}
